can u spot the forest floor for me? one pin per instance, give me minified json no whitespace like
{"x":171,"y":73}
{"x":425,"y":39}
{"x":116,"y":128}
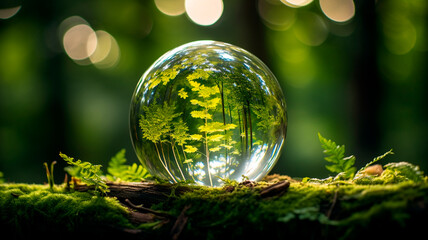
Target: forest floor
{"x":277,"y":207}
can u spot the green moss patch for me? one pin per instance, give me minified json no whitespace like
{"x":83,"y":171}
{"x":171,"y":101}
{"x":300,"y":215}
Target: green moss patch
{"x":306,"y":210}
{"x":33,"y":210}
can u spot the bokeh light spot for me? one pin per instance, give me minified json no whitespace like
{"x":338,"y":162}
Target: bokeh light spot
{"x":86,"y":47}
{"x":290,"y":49}
{"x":400,"y":34}
{"x":171,"y":7}
{"x":338,"y":10}
{"x":204,"y":12}
{"x":107,"y":52}
{"x":6,"y":13}
{"x":76,"y":42}
{"x":310,"y":29}
{"x":69,"y":23}
{"x":276,"y":16}
{"x":103,"y":45}
{"x":296,"y":3}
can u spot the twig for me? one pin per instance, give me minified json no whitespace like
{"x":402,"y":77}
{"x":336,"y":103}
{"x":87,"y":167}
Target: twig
{"x":180,"y":223}
{"x":146,"y":193}
{"x":147,"y":210}
{"x":275,"y":189}
{"x":330,"y":210}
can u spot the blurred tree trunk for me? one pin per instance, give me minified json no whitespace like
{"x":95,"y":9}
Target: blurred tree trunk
{"x":255,"y":38}
{"x":366,"y":82}
{"x":54,"y":115}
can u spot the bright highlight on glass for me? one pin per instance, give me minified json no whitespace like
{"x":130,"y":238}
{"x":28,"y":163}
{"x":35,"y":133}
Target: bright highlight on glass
{"x":86,"y":46}
{"x":7,"y":13}
{"x":204,"y":12}
{"x":208,"y":111}
{"x":171,"y":7}
{"x":338,"y":10}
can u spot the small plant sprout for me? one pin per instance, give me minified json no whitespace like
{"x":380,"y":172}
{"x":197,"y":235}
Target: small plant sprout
{"x":87,"y":172}
{"x":49,"y":174}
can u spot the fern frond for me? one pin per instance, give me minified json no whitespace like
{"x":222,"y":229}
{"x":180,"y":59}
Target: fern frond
{"x":117,"y":163}
{"x":87,"y":172}
{"x":135,"y":173}
{"x":119,"y":171}
{"x":336,"y":155}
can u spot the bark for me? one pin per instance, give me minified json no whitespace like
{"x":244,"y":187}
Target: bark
{"x":140,"y":193}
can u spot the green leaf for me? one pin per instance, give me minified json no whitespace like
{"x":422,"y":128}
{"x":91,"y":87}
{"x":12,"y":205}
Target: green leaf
{"x":198,"y":74}
{"x":403,"y":171}
{"x":190,"y":149}
{"x":120,"y":172}
{"x":135,"y":173}
{"x":335,"y":154}
{"x":182,"y":93}
{"x":116,"y":164}
{"x":201,"y":114}
{"x":156,"y":121}
{"x":88,"y":173}
{"x":188,"y":160}
{"x":196,"y":137}
{"x":215,"y":149}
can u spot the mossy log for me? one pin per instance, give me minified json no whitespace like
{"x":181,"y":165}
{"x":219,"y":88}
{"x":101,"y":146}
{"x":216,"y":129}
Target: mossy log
{"x":276,"y":208}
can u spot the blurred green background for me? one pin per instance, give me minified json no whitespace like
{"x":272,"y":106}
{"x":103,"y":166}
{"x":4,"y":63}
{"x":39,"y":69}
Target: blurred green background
{"x":355,"y":71}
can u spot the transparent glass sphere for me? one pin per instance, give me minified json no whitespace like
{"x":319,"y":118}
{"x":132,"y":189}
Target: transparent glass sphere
{"x":208,"y":111}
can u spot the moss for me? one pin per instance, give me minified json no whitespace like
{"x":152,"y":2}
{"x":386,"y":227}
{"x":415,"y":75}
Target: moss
{"x":307,"y":210}
{"x":36,"y":210}
{"x":395,"y":172}
{"x":328,"y":210}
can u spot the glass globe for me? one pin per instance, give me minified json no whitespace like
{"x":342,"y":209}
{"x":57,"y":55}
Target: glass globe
{"x":208,"y":111}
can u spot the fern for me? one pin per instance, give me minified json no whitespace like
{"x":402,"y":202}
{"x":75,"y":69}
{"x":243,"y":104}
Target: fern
{"x":116,"y":165}
{"x":87,"y":172}
{"x":336,"y":155}
{"x":118,"y":171}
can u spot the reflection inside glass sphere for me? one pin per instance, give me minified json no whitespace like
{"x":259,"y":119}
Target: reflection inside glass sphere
{"x":208,"y":111}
